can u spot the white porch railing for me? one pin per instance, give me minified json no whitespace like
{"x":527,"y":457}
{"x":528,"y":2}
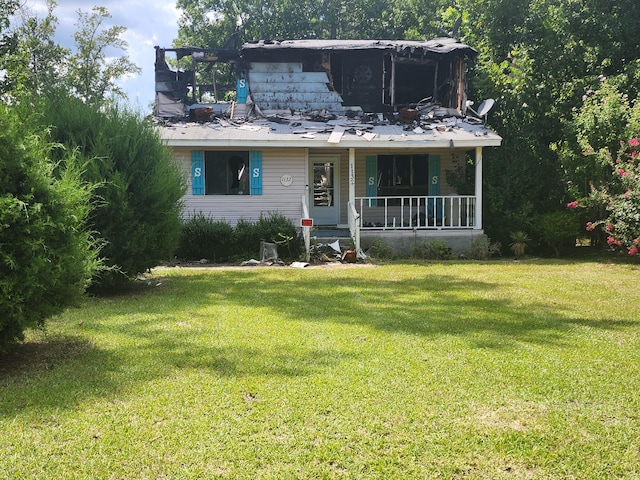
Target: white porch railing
{"x":397,"y":213}
{"x":354,"y":225}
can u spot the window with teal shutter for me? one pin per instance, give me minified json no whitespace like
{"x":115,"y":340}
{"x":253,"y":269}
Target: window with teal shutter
{"x":197,"y":172}
{"x":255,"y":168}
{"x":372,"y":179}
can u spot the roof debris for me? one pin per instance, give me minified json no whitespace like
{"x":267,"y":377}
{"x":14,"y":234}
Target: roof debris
{"x":348,"y":92}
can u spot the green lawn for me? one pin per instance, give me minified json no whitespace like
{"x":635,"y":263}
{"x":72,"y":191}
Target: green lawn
{"x":515,"y":370}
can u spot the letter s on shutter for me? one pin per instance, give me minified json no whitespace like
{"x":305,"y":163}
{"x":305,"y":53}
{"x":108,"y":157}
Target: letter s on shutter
{"x":197,"y":172}
{"x":255,"y":164}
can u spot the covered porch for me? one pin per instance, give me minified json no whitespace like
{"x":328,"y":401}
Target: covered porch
{"x":428,"y":213}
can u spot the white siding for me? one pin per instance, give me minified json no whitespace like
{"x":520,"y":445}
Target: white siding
{"x":287,"y":200}
{"x":275,"y":197}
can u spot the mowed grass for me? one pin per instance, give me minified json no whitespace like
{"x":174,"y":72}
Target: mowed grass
{"x":492,"y":370}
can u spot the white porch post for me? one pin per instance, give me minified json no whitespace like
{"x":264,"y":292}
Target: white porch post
{"x":478,"y":219}
{"x":352,"y":175}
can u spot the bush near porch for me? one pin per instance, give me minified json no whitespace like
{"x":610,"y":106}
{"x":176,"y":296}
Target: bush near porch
{"x":203,"y":237}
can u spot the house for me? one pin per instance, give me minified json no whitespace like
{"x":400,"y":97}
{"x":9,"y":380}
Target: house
{"x":376,"y":136}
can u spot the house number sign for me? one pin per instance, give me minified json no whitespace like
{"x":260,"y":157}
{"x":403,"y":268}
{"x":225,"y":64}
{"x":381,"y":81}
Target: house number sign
{"x":286,"y":180}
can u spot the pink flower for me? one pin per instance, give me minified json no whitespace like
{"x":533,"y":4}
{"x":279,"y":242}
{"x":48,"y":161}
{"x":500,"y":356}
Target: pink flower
{"x":590,"y":226}
{"x":622,"y":172}
{"x":633,"y":250}
{"x":573,"y":204}
{"x":612,"y":241}
{"x":634,"y":142}
{"x":609,"y":227}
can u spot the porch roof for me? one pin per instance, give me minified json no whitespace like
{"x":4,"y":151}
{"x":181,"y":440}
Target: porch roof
{"x":338,"y":133}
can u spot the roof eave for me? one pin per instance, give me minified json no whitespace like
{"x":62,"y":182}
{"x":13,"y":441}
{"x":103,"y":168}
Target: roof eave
{"x":418,"y":143}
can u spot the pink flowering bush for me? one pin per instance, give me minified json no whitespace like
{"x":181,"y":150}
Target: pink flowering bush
{"x":602,"y":171}
{"x":621,"y":199}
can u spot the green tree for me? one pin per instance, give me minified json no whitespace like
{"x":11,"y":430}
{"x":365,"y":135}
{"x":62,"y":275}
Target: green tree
{"x":8,"y":42}
{"x":47,"y":255}
{"x":592,"y":135}
{"x":37,"y":62}
{"x":211,"y":23}
{"x":536,"y":59}
{"x":92,"y":74}
{"x":138,"y":185}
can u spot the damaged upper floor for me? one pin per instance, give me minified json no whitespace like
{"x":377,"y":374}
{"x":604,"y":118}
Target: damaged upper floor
{"x":343,"y":77}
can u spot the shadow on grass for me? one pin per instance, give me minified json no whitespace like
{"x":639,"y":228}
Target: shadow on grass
{"x":60,"y":373}
{"x":56,"y":372}
{"x":69,"y":369}
{"x":41,"y":355}
{"x":423,"y":304}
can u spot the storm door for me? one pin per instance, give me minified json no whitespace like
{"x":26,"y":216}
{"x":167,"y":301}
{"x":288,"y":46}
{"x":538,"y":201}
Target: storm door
{"x":324,"y":186}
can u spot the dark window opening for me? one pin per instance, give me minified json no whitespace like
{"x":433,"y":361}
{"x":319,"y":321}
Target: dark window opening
{"x":413,"y":82}
{"x":226,"y":173}
{"x":403,"y":175}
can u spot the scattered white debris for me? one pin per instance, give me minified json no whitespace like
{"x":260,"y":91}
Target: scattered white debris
{"x":251,"y":263}
{"x":299,"y":265}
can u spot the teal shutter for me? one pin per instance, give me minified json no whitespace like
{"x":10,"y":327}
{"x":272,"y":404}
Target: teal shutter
{"x":434,"y":175}
{"x":197,"y":172}
{"x":434,"y":189}
{"x":255,"y":167}
{"x":242,"y":88}
{"x":372,"y":179}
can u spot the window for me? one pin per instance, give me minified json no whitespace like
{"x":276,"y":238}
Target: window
{"x":403,"y":175}
{"x":226,"y":173}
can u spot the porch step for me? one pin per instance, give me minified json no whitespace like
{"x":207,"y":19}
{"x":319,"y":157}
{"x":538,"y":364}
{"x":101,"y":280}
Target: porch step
{"x":329,"y":232}
{"x":329,"y":235}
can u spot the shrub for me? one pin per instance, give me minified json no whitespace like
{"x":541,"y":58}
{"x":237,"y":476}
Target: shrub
{"x":202,"y":237}
{"x":138,"y":184}
{"x":272,"y":228}
{"x":380,"y":250}
{"x":480,"y":248}
{"x":46,"y":252}
{"x":558,"y":229}
{"x":519,"y":242}
{"x":432,"y":250}
{"x":246,"y":245}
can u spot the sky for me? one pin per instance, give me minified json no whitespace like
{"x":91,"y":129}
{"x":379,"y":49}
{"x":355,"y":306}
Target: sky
{"x":148,"y":22}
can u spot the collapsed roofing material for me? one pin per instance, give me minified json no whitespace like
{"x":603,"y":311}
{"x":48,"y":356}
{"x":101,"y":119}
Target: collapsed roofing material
{"x":341,"y":77}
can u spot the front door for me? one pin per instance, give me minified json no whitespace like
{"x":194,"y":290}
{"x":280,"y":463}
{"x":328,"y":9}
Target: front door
{"x":325,"y":190}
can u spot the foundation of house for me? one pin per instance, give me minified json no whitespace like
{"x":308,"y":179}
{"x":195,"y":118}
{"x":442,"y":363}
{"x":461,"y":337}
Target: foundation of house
{"x":403,"y":241}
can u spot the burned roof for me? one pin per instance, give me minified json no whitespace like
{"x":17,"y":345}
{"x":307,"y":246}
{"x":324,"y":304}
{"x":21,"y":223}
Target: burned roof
{"x":433,"y":46}
{"x":340,"y":77}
